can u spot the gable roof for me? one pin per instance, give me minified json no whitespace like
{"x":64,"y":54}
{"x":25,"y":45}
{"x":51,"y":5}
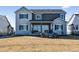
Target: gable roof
{"x":71,"y":19}
{"x":22,"y":8}
{"x":60,"y":19}
{"x":41,"y":11}
{"x":5,"y":19}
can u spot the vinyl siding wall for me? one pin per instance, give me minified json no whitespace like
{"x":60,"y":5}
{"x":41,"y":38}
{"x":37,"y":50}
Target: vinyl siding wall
{"x":23,"y":22}
{"x":48,"y":16}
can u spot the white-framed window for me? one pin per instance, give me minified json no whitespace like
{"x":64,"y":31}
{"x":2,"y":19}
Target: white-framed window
{"x":21,"y":27}
{"x":56,"y":27}
{"x":38,"y":17}
{"x":62,"y":16}
{"x":23,"y":16}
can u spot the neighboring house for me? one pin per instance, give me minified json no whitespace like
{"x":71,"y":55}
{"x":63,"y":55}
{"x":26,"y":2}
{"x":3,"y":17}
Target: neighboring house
{"x":73,"y":24}
{"x":40,"y":20}
{"x":5,"y":27}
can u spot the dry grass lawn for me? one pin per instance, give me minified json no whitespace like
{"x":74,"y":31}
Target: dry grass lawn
{"x":29,"y":43}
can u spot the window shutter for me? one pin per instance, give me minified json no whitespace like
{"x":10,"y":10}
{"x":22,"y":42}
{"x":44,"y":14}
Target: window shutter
{"x":27,"y":27}
{"x":61,"y":27}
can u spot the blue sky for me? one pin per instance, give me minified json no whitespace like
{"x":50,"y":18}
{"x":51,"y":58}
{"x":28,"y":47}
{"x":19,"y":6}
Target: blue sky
{"x":9,"y":11}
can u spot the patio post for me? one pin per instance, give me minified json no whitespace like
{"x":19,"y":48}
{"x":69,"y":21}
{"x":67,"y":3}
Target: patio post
{"x":41,"y":28}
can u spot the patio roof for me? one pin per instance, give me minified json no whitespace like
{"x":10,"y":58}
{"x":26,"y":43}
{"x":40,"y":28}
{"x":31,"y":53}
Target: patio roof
{"x":40,"y":21}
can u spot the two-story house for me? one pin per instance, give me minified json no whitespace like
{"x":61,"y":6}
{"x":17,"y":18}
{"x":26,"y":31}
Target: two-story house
{"x":35,"y":21}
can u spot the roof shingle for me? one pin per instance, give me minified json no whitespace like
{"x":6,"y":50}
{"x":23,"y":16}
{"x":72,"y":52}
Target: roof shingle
{"x":41,"y":11}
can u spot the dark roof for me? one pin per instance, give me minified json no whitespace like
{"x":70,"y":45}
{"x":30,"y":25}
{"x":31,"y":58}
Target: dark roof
{"x":24,"y":8}
{"x":41,"y":11}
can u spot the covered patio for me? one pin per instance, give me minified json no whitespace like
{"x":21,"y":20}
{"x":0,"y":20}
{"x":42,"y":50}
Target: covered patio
{"x":40,"y":26}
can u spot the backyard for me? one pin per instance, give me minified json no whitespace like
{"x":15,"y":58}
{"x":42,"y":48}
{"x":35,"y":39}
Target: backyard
{"x":38,"y":44}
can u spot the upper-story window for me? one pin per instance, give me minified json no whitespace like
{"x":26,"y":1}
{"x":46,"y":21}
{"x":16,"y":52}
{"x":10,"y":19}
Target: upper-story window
{"x":38,"y":17}
{"x":62,"y":16}
{"x":23,"y":16}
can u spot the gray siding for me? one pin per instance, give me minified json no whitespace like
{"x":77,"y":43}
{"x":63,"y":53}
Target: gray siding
{"x":47,"y":16}
{"x":50,"y":16}
{"x":33,"y":16}
{"x":64,"y":16}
